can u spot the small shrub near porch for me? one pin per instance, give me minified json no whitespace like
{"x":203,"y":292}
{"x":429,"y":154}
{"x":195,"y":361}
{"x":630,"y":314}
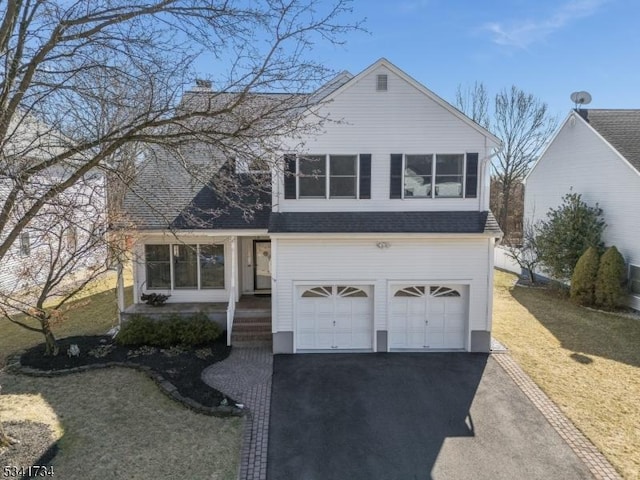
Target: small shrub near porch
{"x":176,"y":330}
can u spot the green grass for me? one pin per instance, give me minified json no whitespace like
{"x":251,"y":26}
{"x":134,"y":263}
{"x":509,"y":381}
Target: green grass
{"x":114,"y":423}
{"x":94,"y":312}
{"x":587,"y":361}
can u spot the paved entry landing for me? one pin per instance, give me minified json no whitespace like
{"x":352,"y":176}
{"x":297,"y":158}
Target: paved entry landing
{"x":408,"y":416}
{"x":246,"y":377}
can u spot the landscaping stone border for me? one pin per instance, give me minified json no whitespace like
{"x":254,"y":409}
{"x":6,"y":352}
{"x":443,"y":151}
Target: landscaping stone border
{"x":14,"y":366}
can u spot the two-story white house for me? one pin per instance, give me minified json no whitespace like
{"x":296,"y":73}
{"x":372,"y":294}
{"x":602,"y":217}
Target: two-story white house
{"x":379,"y":236}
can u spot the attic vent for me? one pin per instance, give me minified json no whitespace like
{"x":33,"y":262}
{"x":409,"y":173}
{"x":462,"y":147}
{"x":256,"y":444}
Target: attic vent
{"x":381,"y":83}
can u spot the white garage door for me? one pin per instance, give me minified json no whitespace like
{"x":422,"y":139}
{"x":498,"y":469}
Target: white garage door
{"x":332,"y":317}
{"x":428,"y":317}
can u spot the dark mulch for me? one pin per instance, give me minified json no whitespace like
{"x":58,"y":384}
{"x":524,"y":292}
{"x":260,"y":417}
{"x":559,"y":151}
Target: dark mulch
{"x":37,"y":446}
{"x":178,"y":365}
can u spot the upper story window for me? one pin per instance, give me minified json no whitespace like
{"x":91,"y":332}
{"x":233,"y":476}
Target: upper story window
{"x":434,"y":175}
{"x":328,"y":176}
{"x":381,"y":83}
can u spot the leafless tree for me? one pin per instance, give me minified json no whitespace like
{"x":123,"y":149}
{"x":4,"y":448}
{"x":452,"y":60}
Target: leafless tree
{"x":100,"y":81}
{"x":524,"y":125}
{"x":94,"y":86}
{"x":67,"y":250}
{"x":474,"y":102}
{"x":526,"y":254}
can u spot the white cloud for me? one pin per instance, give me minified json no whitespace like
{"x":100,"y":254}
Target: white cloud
{"x":521,"y":34}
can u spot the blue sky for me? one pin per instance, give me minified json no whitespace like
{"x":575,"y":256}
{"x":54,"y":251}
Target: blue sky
{"x":548,"y":48}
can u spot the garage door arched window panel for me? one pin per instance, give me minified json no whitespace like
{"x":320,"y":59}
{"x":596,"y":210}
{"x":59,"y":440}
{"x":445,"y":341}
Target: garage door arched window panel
{"x":412,"y":291}
{"x":344,"y":291}
{"x":428,"y":317}
{"x":438,"y":291}
{"x":325,"y":291}
{"x":333,"y":317}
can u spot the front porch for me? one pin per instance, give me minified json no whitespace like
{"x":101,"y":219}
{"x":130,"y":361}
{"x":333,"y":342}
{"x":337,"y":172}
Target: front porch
{"x":249,"y":319}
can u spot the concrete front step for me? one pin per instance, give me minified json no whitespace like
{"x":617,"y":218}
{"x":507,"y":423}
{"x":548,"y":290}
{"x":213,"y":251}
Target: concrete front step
{"x":251,"y":320}
{"x":252,"y":327}
{"x":252,"y":313}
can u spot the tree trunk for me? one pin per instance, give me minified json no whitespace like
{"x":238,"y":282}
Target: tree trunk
{"x":51,"y":346}
{"x":504,"y":211}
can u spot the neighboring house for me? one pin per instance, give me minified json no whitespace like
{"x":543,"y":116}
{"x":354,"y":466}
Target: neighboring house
{"x":61,"y":227}
{"x":377,"y":235}
{"x":595,"y":153}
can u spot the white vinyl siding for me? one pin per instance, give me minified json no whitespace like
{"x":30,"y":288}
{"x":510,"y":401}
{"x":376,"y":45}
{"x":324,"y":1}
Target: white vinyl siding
{"x":361,"y":262}
{"x":402,"y":120}
{"x":579,"y":160}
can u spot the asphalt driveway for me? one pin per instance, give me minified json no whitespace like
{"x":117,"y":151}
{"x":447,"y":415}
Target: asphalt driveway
{"x":443,"y":416}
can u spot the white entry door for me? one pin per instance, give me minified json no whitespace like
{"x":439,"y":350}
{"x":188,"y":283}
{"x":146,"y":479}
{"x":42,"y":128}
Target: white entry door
{"x":428,"y":317}
{"x":333,"y":317}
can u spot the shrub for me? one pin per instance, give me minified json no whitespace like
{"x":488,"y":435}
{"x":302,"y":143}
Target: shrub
{"x":567,"y":233}
{"x":583,"y":280}
{"x":176,"y":330}
{"x":609,"y":291}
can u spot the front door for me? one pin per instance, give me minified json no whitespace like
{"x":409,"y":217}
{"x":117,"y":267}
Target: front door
{"x":262,"y":266}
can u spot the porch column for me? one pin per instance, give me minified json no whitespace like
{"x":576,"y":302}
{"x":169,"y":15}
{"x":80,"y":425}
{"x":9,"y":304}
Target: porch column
{"x":120,"y":290}
{"x":234,"y":268}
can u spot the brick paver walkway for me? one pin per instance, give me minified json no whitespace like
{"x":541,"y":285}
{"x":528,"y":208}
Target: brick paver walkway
{"x":246,"y":377}
{"x":584,"y":449}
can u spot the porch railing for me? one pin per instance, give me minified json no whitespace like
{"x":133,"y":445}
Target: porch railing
{"x":231,"y":311}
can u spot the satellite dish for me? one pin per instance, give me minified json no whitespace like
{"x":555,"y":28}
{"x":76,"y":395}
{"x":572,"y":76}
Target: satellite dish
{"x":581,"y":98}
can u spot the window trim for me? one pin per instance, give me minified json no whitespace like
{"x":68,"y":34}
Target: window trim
{"x":172,"y":282}
{"x":631,"y":292}
{"x":327,"y":175}
{"x":432,"y":194}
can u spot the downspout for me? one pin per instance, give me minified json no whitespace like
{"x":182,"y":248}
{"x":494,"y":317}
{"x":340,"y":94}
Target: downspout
{"x":490,"y":245}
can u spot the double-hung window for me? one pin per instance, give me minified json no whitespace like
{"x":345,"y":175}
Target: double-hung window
{"x":312,"y":180}
{"x":329,"y":176}
{"x":434,"y":175}
{"x":343,"y":176}
{"x":184,"y":267}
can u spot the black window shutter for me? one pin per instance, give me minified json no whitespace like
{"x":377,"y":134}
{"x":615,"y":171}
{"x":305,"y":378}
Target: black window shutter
{"x":471,"y":180}
{"x":395,"y":185}
{"x":365,"y":175}
{"x":289,"y":176}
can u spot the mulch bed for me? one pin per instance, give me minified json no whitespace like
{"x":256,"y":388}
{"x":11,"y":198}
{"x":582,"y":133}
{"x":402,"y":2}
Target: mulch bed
{"x":178,"y":365}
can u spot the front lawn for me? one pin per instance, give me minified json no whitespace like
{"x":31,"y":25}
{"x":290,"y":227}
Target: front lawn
{"x":112,"y":423}
{"x":588,"y":362}
{"x":115,"y":423}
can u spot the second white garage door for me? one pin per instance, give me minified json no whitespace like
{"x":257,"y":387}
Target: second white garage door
{"x":428,"y":317}
{"x":334,"y":317}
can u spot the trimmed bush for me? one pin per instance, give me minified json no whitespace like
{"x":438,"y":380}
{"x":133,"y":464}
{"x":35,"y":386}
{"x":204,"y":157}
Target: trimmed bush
{"x":176,"y":330}
{"x":583,"y":280}
{"x":610,"y":292}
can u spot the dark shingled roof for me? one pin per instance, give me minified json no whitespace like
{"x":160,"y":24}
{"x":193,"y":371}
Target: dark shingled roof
{"x":384,"y":222}
{"x":209,"y":211}
{"x":621,"y":128}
